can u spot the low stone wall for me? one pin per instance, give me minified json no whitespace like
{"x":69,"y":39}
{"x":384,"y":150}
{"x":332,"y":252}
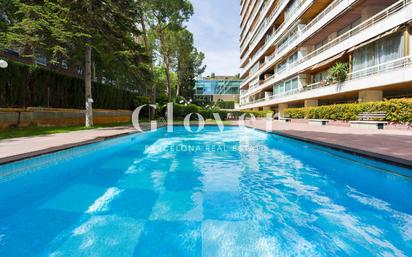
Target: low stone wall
{"x":58,"y":117}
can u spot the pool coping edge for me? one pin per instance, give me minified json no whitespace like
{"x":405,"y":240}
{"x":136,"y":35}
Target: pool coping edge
{"x":355,"y":151}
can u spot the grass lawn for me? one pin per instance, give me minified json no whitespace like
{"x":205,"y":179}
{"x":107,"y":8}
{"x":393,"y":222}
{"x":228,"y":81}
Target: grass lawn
{"x":36,"y":131}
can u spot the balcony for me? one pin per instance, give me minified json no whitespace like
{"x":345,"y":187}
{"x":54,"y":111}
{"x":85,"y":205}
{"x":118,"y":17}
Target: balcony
{"x":385,"y":20}
{"x":246,"y":41}
{"x":328,"y":14}
{"x":264,"y":25}
{"x":301,"y":8}
{"x":393,"y":72}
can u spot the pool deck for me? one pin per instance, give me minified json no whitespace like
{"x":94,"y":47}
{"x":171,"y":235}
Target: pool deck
{"x":394,"y":146}
{"x":15,"y":149}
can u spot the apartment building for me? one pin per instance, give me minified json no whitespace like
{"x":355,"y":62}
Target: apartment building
{"x":218,"y":88}
{"x":288,"y":47}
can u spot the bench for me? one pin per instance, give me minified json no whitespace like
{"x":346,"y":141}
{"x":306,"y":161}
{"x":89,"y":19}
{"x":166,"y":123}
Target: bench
{"x":370,"y":120}
{"x":318,"y":122}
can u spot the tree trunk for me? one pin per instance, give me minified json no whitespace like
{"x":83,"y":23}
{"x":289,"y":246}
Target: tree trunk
{"x":178,"y":88}
{"x":88,"y":86}
{"x":168,"y":80}
{"x":153,"y":93}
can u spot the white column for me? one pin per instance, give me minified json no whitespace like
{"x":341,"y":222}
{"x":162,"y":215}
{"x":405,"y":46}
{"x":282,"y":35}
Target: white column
{"x":311,"y":103}
{"x":281,"y":109}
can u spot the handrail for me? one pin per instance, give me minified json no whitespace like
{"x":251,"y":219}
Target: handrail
{"x":373,"y":70}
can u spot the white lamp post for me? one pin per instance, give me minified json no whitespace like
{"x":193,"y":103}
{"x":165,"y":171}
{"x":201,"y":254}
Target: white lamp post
{"x":3,"y":64}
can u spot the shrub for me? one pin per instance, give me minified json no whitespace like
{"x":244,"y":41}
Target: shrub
{"x":23,"y":85}
{"x":226,"y":104}
{"x":397,"y":110}
{"x":296,"y":113}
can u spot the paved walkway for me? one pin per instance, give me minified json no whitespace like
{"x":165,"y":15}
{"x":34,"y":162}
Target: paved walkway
{"x":390,"y":145}
{"x":25,"y":147}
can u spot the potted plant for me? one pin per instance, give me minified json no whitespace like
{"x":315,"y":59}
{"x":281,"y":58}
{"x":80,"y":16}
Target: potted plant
{"x":339,"y":72}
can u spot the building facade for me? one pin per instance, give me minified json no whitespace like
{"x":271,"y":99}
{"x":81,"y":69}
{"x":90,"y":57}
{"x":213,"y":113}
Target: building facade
{"x":289,"y":46}
{"x":220,"y":88}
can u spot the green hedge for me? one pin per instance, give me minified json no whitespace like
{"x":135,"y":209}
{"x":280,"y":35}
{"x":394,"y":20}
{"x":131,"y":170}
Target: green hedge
{"x":226,"y":104}
{"x":23,"y":85}
{"x":180,"y":111}
{"x":397,"y":110}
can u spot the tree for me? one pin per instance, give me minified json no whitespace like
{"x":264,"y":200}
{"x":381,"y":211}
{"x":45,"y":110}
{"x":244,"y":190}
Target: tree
{"x":166,"y":17}
{"x":78,"y":31}
{"x":189,"y":64}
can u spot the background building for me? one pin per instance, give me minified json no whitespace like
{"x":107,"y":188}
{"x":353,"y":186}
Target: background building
{"x":288,"y":47}
{"x":218,"y":88}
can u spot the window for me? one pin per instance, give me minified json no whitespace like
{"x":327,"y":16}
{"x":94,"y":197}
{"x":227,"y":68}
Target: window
{"x":321,"y":76}
{"x":320,"y":44}
{"x":349,"y":27}
{"x":379,"y":52}
{"x":286,"y":86}
{"x":282,"y":66}
{"x":295,"y":84}
{"x":293,"y":58}
{"x":292,"y":8}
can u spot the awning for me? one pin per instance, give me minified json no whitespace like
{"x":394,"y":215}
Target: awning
{"x":328,"y":61}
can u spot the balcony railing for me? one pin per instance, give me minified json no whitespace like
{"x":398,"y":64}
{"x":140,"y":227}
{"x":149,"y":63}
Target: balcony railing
{"x":264,"y":25}
{"x":356,"y":30}
{"x":370,"y":71}
{"x":398,"y":6}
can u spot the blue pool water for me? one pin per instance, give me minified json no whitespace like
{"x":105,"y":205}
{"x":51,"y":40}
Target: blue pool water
{"x":237,"y":193}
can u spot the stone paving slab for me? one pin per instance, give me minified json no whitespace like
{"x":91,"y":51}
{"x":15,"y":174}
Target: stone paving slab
{"x":393,"y":146}
{"x":25,"y":147}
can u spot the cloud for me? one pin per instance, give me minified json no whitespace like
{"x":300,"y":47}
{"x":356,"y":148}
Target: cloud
{"x":215,"y":26}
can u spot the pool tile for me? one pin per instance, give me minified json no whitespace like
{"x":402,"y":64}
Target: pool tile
{"x":143,"y":180}
{"x":183,"y":181}
{"x":240,"y":238}
{"x":101,"y":177}
{"x":174,"y":206}
{"x":28,"y":232}
{"x":224,"y":206}
{"x":102,"y":236}
{"x":133,"y":203}
{"x":220,"y":180}
{"x":170,"y":239}
{"x":77,"y":198}
{"x":118,"y":163}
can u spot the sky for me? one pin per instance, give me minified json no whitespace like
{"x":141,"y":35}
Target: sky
{"x":215,"y":26}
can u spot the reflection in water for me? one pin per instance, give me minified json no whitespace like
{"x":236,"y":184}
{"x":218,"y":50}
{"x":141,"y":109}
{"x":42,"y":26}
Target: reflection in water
{"x":236,"y":193}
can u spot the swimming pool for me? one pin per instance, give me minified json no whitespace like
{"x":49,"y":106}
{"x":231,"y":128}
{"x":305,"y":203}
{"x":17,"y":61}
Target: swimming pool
{"x":239,"y":192}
